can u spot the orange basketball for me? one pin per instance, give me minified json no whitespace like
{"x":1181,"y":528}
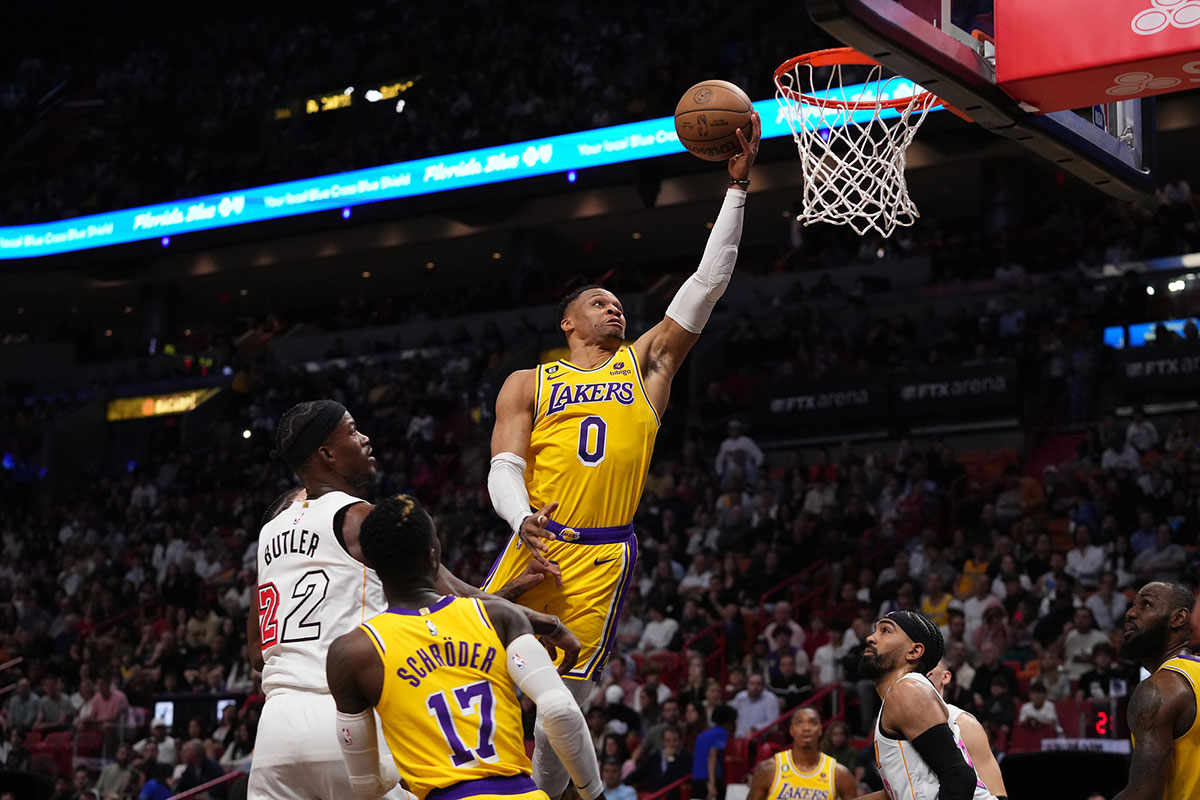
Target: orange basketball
{"x":707,"y":117}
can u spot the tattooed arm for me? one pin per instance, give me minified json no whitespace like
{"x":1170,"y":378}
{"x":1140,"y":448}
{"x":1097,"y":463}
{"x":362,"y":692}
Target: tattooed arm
{"x":1156,"y":710}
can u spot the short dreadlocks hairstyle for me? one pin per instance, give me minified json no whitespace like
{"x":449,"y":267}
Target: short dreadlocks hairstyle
{"x":395,"y":537}
{"x":565,"y":303}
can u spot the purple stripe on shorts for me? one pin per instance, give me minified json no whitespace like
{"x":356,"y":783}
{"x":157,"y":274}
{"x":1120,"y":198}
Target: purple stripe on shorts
{"x":615,"y":620}
{"x":510,"y":784}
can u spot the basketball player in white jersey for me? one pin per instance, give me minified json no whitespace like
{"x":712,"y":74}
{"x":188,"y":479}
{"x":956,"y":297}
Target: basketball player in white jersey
{"x":313,"y":586}
{"x":972,"y":733}
{"x":918,"y":750}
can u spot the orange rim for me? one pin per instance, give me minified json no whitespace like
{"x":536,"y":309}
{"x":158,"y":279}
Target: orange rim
{"x":841,"y":57}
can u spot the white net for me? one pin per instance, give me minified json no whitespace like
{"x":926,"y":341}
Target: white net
{"x":852,"y":144}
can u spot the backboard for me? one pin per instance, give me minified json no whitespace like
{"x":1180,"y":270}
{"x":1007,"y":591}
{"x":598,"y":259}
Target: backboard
{"x":935,"y":44}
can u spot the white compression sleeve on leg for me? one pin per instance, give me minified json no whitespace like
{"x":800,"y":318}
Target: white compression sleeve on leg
{"x":533,"y":672}
{"x":693,"y":303}
{"x":506,"y":486}
{"x":369,"y":776}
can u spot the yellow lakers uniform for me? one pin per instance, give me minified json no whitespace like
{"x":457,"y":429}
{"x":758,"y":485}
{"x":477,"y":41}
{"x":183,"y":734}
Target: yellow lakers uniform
{"x":792,"y":784}
{"x":1183,"y":775}
{"x":590,"y":447}
{"x":448,"y":707}
{"x":939,"y":612}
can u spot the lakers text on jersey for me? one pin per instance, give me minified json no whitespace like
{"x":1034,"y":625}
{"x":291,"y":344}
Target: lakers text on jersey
{"x":792,"y":784}
{"x":448,"y":707}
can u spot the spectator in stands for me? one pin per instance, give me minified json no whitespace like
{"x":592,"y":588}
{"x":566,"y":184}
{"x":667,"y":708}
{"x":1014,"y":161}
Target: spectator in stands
{"x":755,"y":707}
{"x":1146,"y":535}
{"x":1119,"y":454}
{"x":115,"y":776}
{"x":614,"y":787}
{"x":652,"y":675}
{"x":1107,"y":605}
{"x":1162,"y":562}
{"x":147,"y":784}
{"x":615,"y":674}
{"x":1141,"y":432}
{"x":1052,"y":623}
{"x":1118,"y":559}
{"x":708,"y":761}
{"x":973,"y":608}
{"x":1078,"y":643}
{"x":1098,"y":683}
{"x":14,"y":756}
{"x":669,"y":717}
{"x":936,"y":601}
{"x":164,"y":744}
{"x":659,"y":632}
{"x":694,"y":683}
{"x":662,"y":768}
{"x":1039,"y":712}
{"x":835,"y":742}
{"x":790,"y":685}
{"x":62,"y":790}
{"x":826,"y":668}
{"x":614,"y":747}
{"x":108,"y":706}
{"x":780,"y":647}
{"x":199,"y":769}
{"x":22,"y":708}
{"x":962,"y":674}
{"x":994,"y":629}
{"x":618,"y":712}
{"x":999,"y":710}
{"x":1085,"y":561}
{"x":54,"y":709}
{"x":755,"y":662}
{"x":738,"y":456}
{"x":989,"y":668}
{"x":781,"y":617}
{"x":974,"y":571}
{"x":83,"y":785}
{"x":238,"y":753}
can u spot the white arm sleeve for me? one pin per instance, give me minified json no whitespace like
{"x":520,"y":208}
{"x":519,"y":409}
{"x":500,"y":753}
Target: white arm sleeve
{"x":533,"y":672}
{"x":506,"y":486}
{"x":369,"y":776}
{"x":693,"y":303}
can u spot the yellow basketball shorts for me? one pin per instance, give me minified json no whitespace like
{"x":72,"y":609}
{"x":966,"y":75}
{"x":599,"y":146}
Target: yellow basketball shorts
{"x":597,"y":568}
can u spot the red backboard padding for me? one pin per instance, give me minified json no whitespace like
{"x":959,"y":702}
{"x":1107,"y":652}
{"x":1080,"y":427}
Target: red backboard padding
{"x":1060,"y":55}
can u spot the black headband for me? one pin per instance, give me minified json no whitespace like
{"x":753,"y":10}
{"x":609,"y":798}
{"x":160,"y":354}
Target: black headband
{"x":306,"y":440}
{"x":911,"y":623}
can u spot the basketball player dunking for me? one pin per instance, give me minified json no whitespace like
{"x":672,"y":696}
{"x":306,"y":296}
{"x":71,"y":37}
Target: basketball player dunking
{"x":802,"y":772}
{"x":573,"y":440}
{"x":1162,"y":713}
{"x":312,"y":587}
{"x":442,"y":671}
{"x":918,"y":749}
{"x":979,"y":748}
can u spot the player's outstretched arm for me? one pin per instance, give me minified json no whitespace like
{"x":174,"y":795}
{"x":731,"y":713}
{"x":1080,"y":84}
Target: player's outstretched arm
{"x":533,"y":672}
{"x":915,"y":712}
{"x":355,"y":676}
{"x":761,"y":780}
{"x":1153,"y":709}
{"x":980,"y":749}
{"x":844,"y":783}
{"x":554,"y":633}
{"x":506,"y":476}
{"x":662,"y":349}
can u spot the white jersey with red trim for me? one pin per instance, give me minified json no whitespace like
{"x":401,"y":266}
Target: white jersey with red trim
{"x":905,"y":774}
{"x":310,"y":591}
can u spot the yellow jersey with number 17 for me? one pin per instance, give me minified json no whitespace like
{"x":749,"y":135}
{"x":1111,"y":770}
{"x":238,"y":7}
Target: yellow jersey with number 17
{"x":593,"y":435}
{"x":448,"y":706}
{"x":1183,"y":773}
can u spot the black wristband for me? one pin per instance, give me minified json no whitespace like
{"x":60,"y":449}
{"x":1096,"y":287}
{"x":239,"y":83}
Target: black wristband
{"x":743,"y":182}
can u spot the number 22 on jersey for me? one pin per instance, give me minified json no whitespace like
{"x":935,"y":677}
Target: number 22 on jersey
{"x":302,"y":605}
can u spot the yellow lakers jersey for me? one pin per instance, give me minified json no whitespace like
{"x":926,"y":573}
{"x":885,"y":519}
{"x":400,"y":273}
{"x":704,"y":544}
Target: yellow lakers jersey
{"x":1183,"y":775}
{"x":792,"y":784}
{"x":593,"y":435}
{"x":448,"y":706}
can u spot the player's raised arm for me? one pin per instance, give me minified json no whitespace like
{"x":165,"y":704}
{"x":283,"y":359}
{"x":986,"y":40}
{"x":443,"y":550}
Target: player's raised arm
{"x":662,"y":348}
{"x":355,"y":676}
{"x":534,"y":674}
{"x":1153,"y":709}
{"x":913,"y":710}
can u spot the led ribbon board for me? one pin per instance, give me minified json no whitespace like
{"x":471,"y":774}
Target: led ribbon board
{"x":632,"y":141}
{"x":158,"y":405}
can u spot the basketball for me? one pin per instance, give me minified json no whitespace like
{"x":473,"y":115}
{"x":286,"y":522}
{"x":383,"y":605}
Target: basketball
{"x":707,"y":118}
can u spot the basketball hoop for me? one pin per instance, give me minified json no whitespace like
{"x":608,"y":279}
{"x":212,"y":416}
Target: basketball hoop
{"x":852,"y":145}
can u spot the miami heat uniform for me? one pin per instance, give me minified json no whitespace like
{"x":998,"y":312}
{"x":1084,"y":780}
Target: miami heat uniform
{"x":310,"y":591}
{"x":905,"y":774}
{"x":449,"y":707}
{"x":1183,"y":773}
{"x":792,"y":784}
{"x":590,"y":447}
